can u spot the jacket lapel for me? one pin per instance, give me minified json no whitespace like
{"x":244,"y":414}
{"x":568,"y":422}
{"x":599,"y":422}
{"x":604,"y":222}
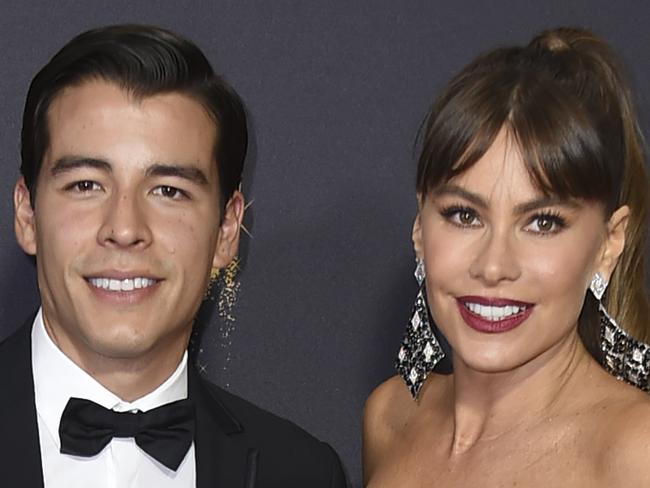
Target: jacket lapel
{"x":20,"y":453}
{"x":222,"y":459}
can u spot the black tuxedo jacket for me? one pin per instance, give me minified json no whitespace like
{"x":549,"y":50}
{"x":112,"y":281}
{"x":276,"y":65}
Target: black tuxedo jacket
{"x":236,"y":444}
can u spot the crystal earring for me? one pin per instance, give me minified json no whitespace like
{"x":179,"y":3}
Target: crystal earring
{"x":623,"y":356}
{"x":420,"y":350}
{"x":598,"y":286}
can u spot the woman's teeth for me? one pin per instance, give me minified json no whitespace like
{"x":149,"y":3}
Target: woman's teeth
{"x":127,"y":284}
{"x":493,"y":313}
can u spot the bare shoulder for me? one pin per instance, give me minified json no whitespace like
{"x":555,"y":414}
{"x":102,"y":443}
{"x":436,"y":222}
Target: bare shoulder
{"x":626,"y":439}
{"x":387,"y":403}
{"x":391,"y":415}
{"x":385,"y":411}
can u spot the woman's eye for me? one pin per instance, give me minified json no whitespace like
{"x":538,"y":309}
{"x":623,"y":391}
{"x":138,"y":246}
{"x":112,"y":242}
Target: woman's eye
{"x":546,"y":224}
{"x":461,"y":216}
{"x":169,"y":192}
{"x":466,"y":217}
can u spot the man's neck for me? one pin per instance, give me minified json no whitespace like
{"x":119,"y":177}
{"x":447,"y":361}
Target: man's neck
{"x":129,"y":378}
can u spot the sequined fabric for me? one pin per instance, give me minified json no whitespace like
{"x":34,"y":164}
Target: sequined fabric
{"x":623,"y":356}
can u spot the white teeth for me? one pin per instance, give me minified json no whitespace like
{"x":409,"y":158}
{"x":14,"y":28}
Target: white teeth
{"x":493,"y":313}
{"x":127,"y":284}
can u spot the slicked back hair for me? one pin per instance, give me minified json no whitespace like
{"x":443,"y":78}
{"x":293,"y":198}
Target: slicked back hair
{"x":144,"y":61}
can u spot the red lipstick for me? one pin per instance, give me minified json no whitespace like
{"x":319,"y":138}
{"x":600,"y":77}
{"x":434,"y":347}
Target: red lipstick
{"x":481,"y":323}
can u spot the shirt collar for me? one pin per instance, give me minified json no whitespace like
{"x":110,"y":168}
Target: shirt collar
{"x":57,"y":378}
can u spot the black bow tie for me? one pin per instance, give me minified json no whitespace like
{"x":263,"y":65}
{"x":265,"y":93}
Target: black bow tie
{"x":165,"y":433}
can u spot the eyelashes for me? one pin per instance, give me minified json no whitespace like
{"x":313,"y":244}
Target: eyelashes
{"x":88,"y":187}
{"x":460,"y":215}
{"x":545,"y":222}
{"x":548,"y":222}
{"x":170,"y":192}
{"x":82,"y":186}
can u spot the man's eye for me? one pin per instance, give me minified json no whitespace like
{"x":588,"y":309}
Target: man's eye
{"x":169,"y":192}
{"x":83,"y":186}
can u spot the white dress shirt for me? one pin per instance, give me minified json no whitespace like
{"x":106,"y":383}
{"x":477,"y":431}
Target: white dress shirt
{"x":121,"y":464}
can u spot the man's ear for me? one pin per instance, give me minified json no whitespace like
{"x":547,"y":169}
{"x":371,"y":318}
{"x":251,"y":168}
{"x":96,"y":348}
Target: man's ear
{"x":614,"y":243}
{"x":229,"y":230}
{"x":24,"y":219}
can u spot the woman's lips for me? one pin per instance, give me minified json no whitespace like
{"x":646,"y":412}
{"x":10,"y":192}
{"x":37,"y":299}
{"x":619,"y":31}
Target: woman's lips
{"x":493,"y":315}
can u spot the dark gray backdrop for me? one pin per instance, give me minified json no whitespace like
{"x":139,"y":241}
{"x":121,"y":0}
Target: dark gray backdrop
{"x":336,"y":93}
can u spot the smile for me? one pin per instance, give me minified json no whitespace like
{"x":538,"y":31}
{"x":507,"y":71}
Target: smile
{"x":127,"y":284}
{"x":493,"y":315}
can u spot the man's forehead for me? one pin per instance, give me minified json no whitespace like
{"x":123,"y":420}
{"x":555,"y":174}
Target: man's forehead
{"x":98,"y":119}
{"x":95,"y":95}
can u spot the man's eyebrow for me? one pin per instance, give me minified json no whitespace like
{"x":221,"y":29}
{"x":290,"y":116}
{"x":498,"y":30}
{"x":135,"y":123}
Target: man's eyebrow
{"x":70,"y":163}
{"x":190,"y":173}
{"x":522,"y":208}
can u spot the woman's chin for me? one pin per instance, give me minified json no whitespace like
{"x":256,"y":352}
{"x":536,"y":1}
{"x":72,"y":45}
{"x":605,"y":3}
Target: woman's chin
{"x":492,"y":360}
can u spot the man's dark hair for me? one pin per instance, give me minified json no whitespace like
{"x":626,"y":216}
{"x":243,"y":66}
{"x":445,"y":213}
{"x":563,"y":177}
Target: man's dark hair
{"x":144,"y":61}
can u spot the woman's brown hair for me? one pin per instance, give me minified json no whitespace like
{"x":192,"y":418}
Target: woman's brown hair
{"x":564,"y":101}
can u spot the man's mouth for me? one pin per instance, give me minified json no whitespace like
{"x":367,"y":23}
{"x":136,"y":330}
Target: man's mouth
{"x":126,"y":284}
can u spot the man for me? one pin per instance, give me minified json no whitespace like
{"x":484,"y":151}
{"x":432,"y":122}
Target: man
{"x":132,"y":154}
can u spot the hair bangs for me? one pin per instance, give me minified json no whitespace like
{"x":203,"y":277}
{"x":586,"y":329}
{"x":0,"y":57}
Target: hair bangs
{"x":559,"y":145}
{"x":461,"y":128}
{"x":562,"y":150}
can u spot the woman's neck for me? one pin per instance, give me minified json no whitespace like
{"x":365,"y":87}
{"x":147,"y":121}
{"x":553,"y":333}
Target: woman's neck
{"x":487,"y":406}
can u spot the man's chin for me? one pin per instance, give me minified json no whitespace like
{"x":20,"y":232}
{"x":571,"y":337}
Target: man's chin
{"x":117,"y":348}
{"x":110,"y":339}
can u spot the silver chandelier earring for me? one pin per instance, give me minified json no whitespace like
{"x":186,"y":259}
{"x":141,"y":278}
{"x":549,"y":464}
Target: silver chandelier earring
{"x":623,"y":356}
{"x":420,"y":350}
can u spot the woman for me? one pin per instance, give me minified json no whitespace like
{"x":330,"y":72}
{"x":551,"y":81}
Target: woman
{"x":532,"y":191}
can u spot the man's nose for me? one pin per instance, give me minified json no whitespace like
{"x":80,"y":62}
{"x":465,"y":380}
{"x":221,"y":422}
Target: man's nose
{"x":496,"y":259}
{"x":125,"y":222}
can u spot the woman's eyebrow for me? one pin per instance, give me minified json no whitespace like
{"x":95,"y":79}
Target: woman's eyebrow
{"x":458,"y":191}
{"x":545,"y":201}
{"x":520,"y":208}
